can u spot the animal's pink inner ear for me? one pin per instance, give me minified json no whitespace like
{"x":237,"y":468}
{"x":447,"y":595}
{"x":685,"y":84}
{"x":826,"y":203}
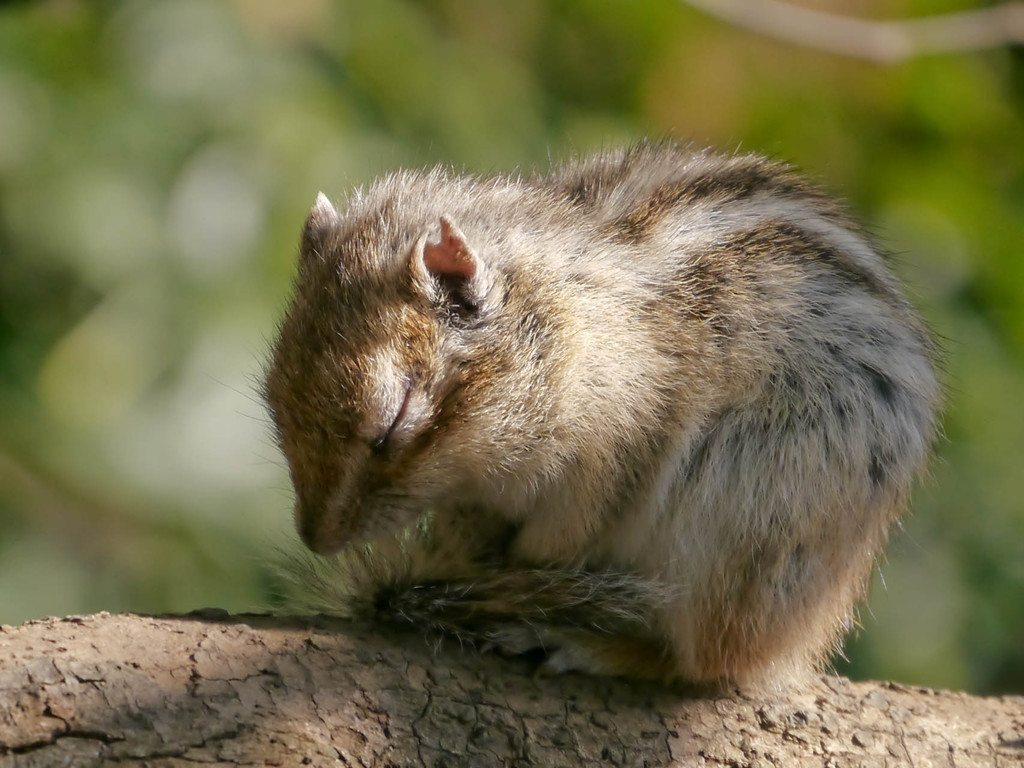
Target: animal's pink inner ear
{"x":452,"y":257}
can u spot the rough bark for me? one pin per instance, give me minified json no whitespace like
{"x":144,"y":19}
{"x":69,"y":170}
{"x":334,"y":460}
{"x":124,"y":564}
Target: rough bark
{"x":255,"y":690}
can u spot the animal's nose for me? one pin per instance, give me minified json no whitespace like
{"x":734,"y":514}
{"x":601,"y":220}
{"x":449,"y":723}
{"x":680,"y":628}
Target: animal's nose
{"x":317,"y":532}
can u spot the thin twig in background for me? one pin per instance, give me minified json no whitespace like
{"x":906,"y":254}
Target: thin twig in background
{"x":881,"y":41}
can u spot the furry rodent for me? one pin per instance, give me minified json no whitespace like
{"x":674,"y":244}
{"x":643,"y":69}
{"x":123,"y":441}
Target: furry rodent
{"x":653,"y":412}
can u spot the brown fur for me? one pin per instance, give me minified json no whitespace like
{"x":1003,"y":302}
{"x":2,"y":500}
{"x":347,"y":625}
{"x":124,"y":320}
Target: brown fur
{"x":653,"y":400}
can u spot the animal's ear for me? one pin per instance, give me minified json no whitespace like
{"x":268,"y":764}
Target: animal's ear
{"x":452,"y":259}
{"x":322,"y":219}
{"x":452,"y":264}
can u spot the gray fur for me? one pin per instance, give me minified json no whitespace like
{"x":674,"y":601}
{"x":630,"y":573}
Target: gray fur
{"x":682,"y":392}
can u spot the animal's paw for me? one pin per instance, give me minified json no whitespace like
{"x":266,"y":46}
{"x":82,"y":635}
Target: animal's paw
{"x":560,"y":649}
{"x":515,"y":639}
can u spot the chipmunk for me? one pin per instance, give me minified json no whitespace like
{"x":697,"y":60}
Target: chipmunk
{"x":652,"y":414}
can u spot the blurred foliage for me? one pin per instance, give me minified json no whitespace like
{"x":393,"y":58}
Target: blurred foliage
{"x":157,"y":159}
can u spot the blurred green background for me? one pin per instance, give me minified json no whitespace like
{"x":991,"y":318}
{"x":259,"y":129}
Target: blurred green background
{"x":157,"y":160}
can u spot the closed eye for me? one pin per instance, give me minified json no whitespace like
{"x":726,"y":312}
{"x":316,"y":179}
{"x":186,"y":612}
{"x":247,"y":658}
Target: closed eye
{"x":382,"y":443}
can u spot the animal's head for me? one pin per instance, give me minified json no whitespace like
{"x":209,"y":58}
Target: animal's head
{"x":388,"y":384}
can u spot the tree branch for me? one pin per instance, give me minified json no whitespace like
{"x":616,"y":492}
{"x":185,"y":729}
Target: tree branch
{"x":886,"y":42}
{"x":210,"y":688}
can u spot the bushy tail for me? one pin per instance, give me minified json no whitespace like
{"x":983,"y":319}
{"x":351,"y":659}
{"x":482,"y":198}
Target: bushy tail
{"x":576,"y":619}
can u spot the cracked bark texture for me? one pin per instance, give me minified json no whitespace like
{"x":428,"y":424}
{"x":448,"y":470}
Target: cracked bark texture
{"x":256,"y":690}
